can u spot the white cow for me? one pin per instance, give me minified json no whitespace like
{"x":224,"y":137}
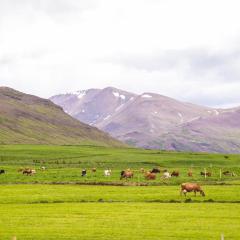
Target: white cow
{"x":107,"y":172}
{"x":166,"y":175}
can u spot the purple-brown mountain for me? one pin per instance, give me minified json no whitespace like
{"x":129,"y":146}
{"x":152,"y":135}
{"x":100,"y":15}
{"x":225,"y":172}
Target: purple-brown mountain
{"x":154,"y":121}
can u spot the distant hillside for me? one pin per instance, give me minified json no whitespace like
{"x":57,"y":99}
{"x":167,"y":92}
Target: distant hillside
{"x":27,"y":119}
{"x":154,"y":121}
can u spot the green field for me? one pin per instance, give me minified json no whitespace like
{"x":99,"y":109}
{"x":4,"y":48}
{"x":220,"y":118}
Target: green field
{"x":64,"y":164}
{"x":54,"y":204}
{"x":103,"y":212}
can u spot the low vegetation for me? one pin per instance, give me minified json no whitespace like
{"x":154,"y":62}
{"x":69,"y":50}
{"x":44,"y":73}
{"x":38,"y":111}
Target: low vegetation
{"x":57,"y":203}
{"x":64,"y":164}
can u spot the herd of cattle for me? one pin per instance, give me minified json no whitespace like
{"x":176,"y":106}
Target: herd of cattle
{"x":128,"y":173}
{"x":148,"y":175}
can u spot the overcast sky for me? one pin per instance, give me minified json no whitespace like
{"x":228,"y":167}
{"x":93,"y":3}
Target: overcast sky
{"x":186,"y":49}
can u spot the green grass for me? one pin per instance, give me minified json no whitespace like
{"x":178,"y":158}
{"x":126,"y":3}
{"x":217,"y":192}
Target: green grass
{"x":39,"y":209}
{"x":75,"y":212}
{"x":64,"y":164}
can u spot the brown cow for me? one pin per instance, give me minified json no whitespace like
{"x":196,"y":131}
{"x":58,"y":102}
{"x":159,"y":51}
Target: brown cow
{"x":208,"y":174}
{"x":150,"y":176}
{"x":175,"y":174}
{"x":191,"y":187}
{"x":155,"y":170}
{"x":94,"y":170}
{"x":29,"y":171}
{"x":126,"y":174}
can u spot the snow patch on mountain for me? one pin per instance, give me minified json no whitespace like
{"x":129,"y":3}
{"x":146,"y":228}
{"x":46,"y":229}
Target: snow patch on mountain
{"x":146,"y":96}
{"x":106,"y":118}
{"x":118,"y":95}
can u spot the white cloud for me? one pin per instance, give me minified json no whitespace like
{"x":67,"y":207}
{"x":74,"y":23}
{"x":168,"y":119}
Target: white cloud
{"x":184,"y":49}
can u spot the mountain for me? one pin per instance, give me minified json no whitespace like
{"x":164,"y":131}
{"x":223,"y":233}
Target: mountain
{"x":93,"y":106}
{"x":219,"y":133}
{"x":154,"y":121}
{"x":27,"y":119}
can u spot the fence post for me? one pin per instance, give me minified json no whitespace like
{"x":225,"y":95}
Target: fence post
{"x":220,"y":173}
{"x":205,"y":173}
{"x":222,"y":236}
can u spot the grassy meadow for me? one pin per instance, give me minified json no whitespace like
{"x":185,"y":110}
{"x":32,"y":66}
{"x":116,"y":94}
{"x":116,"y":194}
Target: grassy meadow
{"x":64,"y":165}
{"x":60,"y":204}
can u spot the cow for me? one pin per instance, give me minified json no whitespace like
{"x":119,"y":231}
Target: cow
{"x":84,"y":172}
{"x":28,"y":171}
{"x":175,"y":174}
{"x":150,"y":176}
{"x":142,"y":170}
{"x":94,"y":170}
{"x":166,"y":174}
{"x":208,"y":174}
{"x":43,"y":168}
{"x":155,"y":170}
{"x":126,"y":174}
{"x":228,"y":173}
{"x":191,"y":187}
{"x":107,"y":172}
{"x":2,"y":171}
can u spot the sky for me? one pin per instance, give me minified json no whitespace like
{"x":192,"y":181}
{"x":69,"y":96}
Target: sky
{"x":185,"y":49}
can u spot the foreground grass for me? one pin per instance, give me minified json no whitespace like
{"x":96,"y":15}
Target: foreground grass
{"x":32,"y":194}
{"x":108,"y":212}
{"x":120,"y":221}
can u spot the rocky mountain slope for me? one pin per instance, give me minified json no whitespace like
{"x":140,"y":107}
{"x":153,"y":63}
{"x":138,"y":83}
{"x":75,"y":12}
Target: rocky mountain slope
{"x":26,"y":119}
{"x":154,"y":121}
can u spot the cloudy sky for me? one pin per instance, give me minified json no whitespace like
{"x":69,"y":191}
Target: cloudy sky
{"x":186,"y":49}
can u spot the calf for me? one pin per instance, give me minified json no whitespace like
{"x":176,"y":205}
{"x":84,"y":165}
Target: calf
{"x":191,"y":187}
{"x":2,"y":171}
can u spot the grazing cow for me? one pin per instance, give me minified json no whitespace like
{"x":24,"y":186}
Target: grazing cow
{"x":2,"y":171}
{"x":126,"y":174}
{"x":94,"y":170}
{"x":28,"y":171}
{"x":208,"y":174}
{"x":155,"y":170}
{"x":84,"y":172}
{"x":166,"y":174}
{"x":142,"y":170}
{"x":191,"y":187}
{"x":150,"y":176}
{"x":107,"y":172}
{"x":43,"y":168}
{"x":175,"y":174}
{"x":227,"y":173}
{"x":190,"y":173}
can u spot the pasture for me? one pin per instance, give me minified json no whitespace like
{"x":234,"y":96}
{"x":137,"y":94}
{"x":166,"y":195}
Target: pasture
{"x":64,"y":165}
{"x":60,"y":204}
{"x":111,"y":212}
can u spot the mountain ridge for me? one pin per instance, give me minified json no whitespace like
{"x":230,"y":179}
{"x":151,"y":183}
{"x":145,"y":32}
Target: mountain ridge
{"x":27,"y":119}
{"x":150,"y":120}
